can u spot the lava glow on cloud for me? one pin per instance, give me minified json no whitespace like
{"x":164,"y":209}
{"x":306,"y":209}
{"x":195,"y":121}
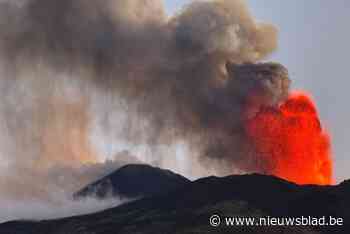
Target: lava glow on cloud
{"x":292,"y":142}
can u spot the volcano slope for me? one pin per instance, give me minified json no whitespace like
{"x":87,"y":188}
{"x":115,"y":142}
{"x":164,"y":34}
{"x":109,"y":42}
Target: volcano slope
{"x":187,"y":209}
{"x":133,"y":181}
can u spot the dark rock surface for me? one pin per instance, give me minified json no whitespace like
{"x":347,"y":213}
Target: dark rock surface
{"x":187,"y":209}
{"x":134,"y":181}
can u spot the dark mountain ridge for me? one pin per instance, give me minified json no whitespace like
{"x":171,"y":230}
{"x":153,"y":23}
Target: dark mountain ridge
{"x":133,"y":181}
{"x":188,"y":208}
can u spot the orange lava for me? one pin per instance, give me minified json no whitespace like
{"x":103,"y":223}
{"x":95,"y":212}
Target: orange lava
{"x":289,"y":141}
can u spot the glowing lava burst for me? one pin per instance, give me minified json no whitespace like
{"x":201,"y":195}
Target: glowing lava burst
{"x":289,"y":141}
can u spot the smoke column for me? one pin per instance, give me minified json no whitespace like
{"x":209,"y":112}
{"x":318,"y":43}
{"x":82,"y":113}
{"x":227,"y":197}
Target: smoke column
{"x":82,"y":80}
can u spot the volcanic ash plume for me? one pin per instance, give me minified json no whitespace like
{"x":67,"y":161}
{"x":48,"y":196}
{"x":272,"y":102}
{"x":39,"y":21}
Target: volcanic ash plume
{"x":290,"y":142}
{"x":83,"y":80}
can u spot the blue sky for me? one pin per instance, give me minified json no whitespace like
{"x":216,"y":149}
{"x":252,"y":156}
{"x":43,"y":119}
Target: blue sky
{"x":314,"y":45}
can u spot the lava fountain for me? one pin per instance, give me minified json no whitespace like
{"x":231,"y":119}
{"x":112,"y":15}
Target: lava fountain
{"x":290,"y":142}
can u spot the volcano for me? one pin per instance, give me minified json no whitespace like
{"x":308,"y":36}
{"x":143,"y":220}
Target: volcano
{"x":193,"y":91}
{"x":133,"y":181}
{"x":187,"y":209}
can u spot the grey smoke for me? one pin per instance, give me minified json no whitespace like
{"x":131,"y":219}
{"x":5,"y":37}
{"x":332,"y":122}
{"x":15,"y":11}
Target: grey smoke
{"x":75,"y":73}
{"x":63,"y":207}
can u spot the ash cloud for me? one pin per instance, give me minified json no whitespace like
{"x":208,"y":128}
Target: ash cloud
{"x":74,"y":73}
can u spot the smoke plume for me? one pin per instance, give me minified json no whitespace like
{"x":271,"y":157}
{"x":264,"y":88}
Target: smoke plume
{"x":82,"y":80}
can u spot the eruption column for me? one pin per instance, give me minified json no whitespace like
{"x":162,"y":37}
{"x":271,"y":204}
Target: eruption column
{"x":290,"y":142}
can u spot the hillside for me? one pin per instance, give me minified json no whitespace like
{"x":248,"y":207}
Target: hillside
{"x":187,"y":209}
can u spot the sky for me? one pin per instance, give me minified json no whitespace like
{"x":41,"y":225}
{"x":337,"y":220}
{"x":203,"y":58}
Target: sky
{"x":313,"y":45}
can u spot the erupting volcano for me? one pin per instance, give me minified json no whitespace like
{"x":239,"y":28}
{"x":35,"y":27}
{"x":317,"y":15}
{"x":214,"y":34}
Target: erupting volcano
{"x":88,"y":86}
{"x":290,"y":141}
